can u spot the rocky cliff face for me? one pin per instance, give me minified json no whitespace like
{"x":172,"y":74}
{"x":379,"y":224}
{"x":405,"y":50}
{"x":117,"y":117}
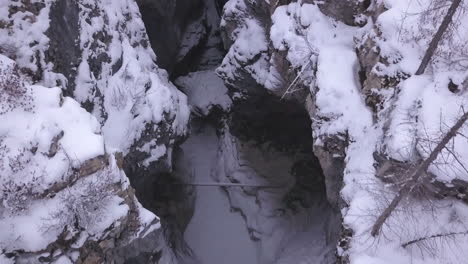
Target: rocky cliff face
{"x":349,"y":67}
{"x":191,"y":34}
{"x":100,"y":55}
{"x":263,"y":144}
{"x":181,"y":22}
{"x":283,"y":63}
{"x":63,"y":196}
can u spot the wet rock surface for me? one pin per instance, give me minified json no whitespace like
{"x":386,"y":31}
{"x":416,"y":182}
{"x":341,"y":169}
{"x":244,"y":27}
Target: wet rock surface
{"x":175,"y":20}
{"x":191,"y":34}
{"x":64,"y":34}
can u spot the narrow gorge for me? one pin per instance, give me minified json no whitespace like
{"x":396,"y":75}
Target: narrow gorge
{"x":254,"y":139}
{"x":233,"y":131}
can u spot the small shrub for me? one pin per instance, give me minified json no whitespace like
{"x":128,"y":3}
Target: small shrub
{"x":13,"y":93}
{"x":16,"y":197}
{"x":82,"y":206}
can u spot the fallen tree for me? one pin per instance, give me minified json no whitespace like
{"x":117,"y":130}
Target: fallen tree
{"x":416,"y":175}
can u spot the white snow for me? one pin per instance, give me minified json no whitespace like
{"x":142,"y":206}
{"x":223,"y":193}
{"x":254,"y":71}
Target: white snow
{"x":204,"y":89}
{"x":24,"y":30}
{"x":5,"y":260}
{"x":49,"y":118}
{"x":249,"y":44}
{"x":400,"y":140}
{"x":155,"y":153}
{"x":338,"y":97}
{"x":30,"y":217}
{"x":51,"y":114}
{"x":440,"y":110}
{"x":137,"y":93}
{"x":423,"y":110}
{"x":132,"y":108}
{"x":63,"y":260}
{"x":27,"y":231}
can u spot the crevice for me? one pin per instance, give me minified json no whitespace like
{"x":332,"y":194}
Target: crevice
{"x":64,"y":32}
{"x":260,"y":140}
{"x":166,"y":22}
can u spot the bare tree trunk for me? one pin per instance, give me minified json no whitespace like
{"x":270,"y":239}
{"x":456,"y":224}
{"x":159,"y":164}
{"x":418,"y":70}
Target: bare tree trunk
{"x":438,"y":36}
{"x":418,"y":171}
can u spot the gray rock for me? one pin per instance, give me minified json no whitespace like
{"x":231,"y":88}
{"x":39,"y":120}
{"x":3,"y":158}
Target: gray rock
{"x":167,"y":22}
{"x":64,"y":33}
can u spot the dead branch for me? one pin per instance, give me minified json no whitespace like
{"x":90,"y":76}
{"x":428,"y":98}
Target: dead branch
{"x":295,"y":80}
{"x":438,"y":36}
{"x":420,"y":239}
{"x":416,"y":175}
{"x":457,"y":159}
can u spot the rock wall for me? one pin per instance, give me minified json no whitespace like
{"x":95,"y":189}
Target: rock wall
{"x":350,"y":65}
{"x":61,"y":200}
{"x":98,"y":54}
{"x":180,"y":22}
{"x":191,"y":34}
{"x":264,"y":143}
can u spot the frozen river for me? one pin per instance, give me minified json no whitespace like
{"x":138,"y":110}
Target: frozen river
{"x":215,"y":234}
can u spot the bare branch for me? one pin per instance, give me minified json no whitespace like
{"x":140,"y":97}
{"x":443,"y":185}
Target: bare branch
{"x":457,"y":159}
{"x":438,"y":36}
{"x":295,"y":80}
{"x":415,"y":176}
{"x":420,"y":239}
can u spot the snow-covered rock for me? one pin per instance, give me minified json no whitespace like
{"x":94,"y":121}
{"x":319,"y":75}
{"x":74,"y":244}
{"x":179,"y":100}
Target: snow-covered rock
{"x":106,"y":64}
{"x":97,"y":54}
{"x":84,"y":104}
{"x":204,"y":90}
{"x":61,"y":192}
{"x":372,"y":119}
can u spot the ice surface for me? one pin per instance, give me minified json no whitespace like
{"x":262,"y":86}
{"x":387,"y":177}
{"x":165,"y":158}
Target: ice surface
{"x":215,"y":234}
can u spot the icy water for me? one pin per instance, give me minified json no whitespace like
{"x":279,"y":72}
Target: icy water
{"x":215,"y":234}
